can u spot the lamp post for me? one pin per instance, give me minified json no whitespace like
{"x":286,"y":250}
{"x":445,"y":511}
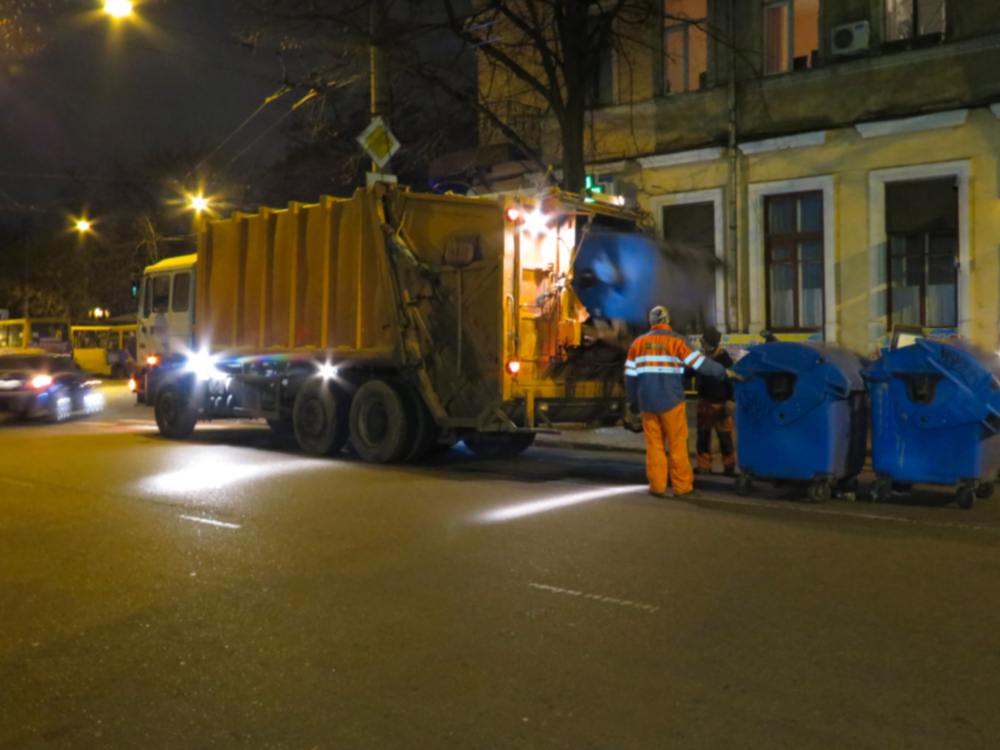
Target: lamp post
{"x":118,"y":9}
{"x":201,"y":206}
{"x":84,"y":226}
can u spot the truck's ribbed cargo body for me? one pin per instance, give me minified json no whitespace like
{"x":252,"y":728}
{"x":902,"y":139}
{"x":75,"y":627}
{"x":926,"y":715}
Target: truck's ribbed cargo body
{"x":407,"y":280}
{"x":304,"y":278}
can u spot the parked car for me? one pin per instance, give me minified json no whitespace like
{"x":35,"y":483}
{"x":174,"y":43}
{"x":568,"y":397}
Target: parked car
{"x":46,"y":386}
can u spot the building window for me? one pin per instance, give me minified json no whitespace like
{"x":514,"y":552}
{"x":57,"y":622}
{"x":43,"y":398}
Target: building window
{"x":922,"y":234}
{"x":793,"y":258}
{"x":689,"y":236}
{"x":911,"y":19}
{"x":601,"y":88}
{"x":685,"y":45}
{"x":791,"y":35}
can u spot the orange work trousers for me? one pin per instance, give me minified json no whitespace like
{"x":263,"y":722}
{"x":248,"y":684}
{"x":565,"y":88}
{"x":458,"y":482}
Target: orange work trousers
{"x":667,"y":433}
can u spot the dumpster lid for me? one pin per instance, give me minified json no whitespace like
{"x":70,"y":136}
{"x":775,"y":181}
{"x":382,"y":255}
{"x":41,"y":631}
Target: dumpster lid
{"x":842,"y":367}
{"x":977,"y":369}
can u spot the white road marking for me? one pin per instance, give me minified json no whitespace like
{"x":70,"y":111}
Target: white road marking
{"x":211,"y":522}
{"x":798,"y":508}
{"x":596,"y":597}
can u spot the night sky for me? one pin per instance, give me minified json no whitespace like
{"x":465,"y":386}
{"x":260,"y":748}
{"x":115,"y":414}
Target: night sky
{"x":101,"y":92}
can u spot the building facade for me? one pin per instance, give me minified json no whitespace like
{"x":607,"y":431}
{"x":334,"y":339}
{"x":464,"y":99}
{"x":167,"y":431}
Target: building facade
{"x":841,"y":158}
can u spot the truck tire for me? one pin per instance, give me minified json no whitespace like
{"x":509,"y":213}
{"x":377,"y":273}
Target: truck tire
{"x":499,"y":444}
{"x":424,"y":431}
{"x":175,"y":415}
{"x":381,"y":428}
{"x":318,"y":419}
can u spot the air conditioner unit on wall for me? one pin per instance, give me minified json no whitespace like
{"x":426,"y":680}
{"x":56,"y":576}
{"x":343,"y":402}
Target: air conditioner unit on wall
{"x":850,"y":39}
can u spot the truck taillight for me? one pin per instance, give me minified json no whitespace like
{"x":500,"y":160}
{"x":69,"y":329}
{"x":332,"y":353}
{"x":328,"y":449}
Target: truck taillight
{"x":152,"y":360}
{"x":514,"y":367}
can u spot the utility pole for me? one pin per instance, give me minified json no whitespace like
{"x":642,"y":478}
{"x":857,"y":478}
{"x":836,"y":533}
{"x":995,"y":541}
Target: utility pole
{"x":377,"y":69}
{"x":27,"y":266}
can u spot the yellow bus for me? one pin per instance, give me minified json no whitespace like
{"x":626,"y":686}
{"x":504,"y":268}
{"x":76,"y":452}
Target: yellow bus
{"x":34,"y":334}
{"x":105,"y":349}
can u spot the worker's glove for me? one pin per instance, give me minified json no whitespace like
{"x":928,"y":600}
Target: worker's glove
{"x":632,"y":423}
{"x":632,"y":420}
{"x":733,"y":375}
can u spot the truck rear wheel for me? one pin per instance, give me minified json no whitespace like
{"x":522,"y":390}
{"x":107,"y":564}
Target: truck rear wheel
{"x":381,"y":428}
{"x":318,"y":419}
{"x":423,"y":430}
{"x":499,"y":444}
{"x":175,"y":415}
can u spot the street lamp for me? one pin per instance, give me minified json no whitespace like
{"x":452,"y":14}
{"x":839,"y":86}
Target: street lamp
{"x":118,"y":8}
{"x":198,"y":203}
{"x":83,"y":226}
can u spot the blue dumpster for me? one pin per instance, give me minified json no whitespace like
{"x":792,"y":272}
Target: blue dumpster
{"x":935,"y":418}
{"x":801,"y":416}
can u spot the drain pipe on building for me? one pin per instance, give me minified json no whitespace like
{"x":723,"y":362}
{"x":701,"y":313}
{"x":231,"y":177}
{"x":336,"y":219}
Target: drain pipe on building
{"x":734,"y":269}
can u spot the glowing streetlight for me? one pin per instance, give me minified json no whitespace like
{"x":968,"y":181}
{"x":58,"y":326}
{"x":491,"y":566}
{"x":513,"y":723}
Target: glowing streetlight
{"x":118,"y":8}
{"x":198,"y":203}
{"x":83,"y":226}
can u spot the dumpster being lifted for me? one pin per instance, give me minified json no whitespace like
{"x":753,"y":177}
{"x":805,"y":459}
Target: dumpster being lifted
{"x":801,"y":416}
{"x":935,"y":419}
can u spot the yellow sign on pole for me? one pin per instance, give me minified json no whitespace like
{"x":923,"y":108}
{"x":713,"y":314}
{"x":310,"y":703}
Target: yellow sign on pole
{"x":378,"y":141}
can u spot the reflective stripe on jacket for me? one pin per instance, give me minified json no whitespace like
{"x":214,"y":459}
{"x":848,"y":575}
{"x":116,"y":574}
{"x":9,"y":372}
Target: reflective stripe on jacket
{"x":654,"y":370}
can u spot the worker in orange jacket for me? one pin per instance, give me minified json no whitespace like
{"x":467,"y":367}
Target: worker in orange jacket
{"x":654,"y":383}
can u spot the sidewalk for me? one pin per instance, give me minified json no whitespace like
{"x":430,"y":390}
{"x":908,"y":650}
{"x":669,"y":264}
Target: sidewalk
{"x":616,"y":439}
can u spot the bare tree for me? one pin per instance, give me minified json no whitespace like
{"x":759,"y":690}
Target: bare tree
{"x":553,"y":55}
{"x":513,"y":64}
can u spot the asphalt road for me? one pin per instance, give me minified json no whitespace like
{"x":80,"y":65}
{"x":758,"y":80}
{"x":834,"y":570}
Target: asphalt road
{"x":226,"y":592}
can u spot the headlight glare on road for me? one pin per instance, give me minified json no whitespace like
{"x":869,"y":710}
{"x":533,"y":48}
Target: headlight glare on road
{"x":219,"y":471}
{"x":93,"y":402}
{"x":532,"y":507}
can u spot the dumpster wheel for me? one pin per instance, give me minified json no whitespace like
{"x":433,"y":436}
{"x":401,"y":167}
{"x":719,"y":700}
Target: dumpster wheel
{"x":743,"y":484}
{"x":819,"y":491}
{"x":881,"y":490}
{"x":965,"y":496}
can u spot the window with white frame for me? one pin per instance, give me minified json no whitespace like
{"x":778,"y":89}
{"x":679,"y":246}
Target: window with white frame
{"x":685,"y":45}
{"x":791,"y":35}
{"x":911,"y":19}
{"x":793,"y":260}
{"x":921,"y":219}
{"x":689,"y":236}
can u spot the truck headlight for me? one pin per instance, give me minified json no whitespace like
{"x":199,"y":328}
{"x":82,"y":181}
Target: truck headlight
{"x":204,"y":366}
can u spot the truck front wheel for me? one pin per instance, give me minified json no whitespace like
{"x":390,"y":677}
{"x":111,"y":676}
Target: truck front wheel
{"x":318,"y":419}
{"x":175,"y":415}
{"x":381,"y":428}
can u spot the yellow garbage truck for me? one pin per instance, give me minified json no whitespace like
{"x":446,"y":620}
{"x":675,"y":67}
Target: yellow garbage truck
{"x":397,"y":320}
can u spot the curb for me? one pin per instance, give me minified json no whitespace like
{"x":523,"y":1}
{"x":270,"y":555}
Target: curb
{"x":603,"y":447}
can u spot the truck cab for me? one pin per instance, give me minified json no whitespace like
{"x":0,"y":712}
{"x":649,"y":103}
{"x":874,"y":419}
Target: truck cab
{"x":165,"y":315}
